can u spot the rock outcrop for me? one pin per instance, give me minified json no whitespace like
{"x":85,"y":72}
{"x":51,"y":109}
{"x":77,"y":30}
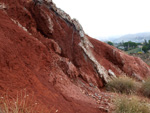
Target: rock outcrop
{"x":46,"y":52}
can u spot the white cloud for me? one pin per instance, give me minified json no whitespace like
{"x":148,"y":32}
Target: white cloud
{"x":109,"y":17}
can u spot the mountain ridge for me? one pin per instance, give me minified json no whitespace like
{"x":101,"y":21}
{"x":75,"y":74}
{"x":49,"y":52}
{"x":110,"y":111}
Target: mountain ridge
{"x":137,"y":37}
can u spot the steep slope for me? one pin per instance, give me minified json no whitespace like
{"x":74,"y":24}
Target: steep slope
{"x":46,"y":52}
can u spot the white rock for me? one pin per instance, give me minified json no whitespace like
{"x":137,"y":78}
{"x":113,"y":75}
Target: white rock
{"x":81,"y":33}
{"x":2,"y":6}
{"x":112,"y":73}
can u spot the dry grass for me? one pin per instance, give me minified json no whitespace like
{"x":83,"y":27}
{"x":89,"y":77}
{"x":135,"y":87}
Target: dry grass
{"x":22,"y":103}
{"x":131,"y":105}
{"x":122,"y":85}
{"x":145,"y":89}
{"x":134,"y":103}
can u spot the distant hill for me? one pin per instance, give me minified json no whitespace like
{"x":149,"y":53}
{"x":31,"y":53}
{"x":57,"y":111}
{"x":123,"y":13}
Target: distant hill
{"x":139,"y":37}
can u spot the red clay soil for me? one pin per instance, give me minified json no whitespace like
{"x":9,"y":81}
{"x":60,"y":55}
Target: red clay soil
{"x":119,"y":62}
{"x":40,"y":52}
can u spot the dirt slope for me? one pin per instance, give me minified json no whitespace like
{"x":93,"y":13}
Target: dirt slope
{"x":44,"y":51}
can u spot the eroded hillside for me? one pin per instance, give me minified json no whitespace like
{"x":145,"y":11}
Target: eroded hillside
{"x":46,"y":52}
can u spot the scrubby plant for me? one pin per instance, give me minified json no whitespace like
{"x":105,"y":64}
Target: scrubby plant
{"x":22,"y":103}
{"x":145,"y":89}
{"x":122,"y":85}
{"x":131,"y":105}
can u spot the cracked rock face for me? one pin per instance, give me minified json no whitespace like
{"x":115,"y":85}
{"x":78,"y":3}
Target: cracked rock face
{"x":86,"y":46}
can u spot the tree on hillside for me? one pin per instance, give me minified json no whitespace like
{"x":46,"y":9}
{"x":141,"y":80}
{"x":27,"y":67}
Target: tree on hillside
{"x":110,"y":43}
{"x":149,"y":45}
{"x":149,"y":42}
{"x":145,"y":42}
{"x":139,"y":43}
{"x":145,"y":48}
{"x":129,"y":45}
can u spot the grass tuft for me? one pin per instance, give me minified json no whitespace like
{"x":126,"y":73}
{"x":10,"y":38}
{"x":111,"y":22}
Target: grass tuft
{"x":122,"y":85}
{"x":131,"y":105}
{"x":145,"y":89}
{"x":21,"y":103}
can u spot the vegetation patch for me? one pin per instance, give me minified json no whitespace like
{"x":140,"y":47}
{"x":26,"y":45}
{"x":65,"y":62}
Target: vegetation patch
{"x":131,"y":105}
{"x":136,"y":50}
{"x":145,"y":89}
{"x":122,"y":85}
{"x":22,"y":103}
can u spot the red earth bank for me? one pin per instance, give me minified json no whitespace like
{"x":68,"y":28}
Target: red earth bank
{"x":40,"y":52}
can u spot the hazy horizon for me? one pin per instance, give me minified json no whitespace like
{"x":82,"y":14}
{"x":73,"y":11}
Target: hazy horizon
{"x":106,"y":18}
{"x":118,"y":36}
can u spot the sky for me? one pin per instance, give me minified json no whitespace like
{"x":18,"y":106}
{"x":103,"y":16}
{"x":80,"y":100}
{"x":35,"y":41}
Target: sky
{"x":104,"y":18}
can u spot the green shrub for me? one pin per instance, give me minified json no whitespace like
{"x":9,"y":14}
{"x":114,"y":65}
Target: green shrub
{"x":145,"y":89}
{"x":131,"y":105}
{"x":122,"y":85}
